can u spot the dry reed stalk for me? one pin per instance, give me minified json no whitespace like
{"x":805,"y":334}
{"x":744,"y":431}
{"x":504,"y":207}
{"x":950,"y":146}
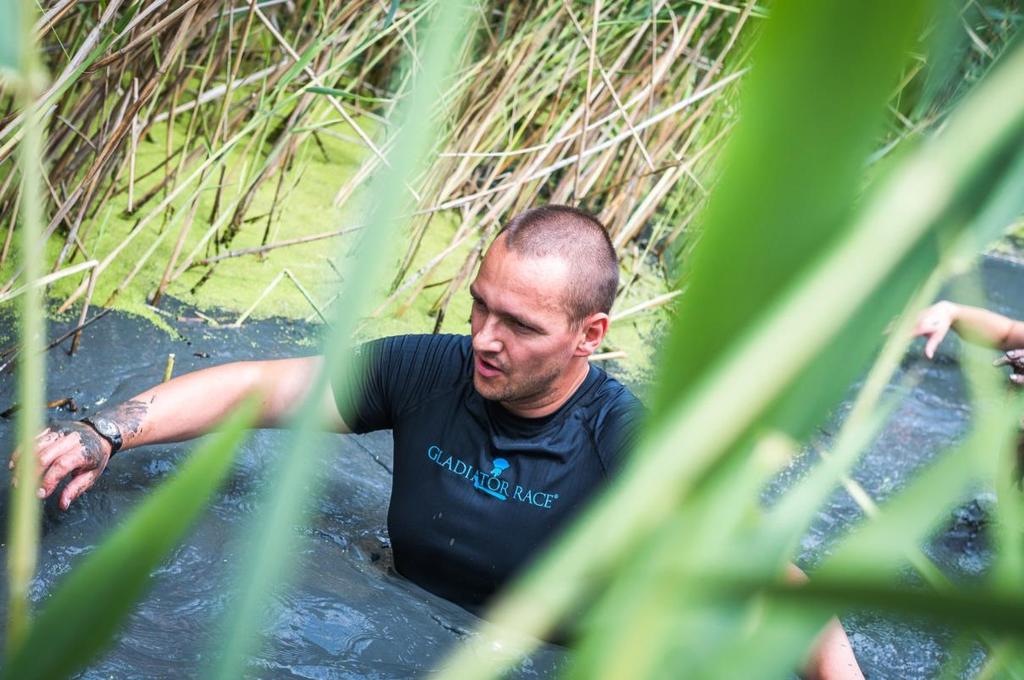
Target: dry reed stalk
{"x":139,"y":265}
{"x":284,"y":273}
{"x":10,"y":234}
{"x":133,"y":150}
{"x":169,"y":367}
{"x":657,"y":194}
{"x":596,"y":63}
{"x":232,"y":76}
{"x":260,"y":250}
{"x":440,"y":308}
{"x":52,"y":16}
{"x":92,"y":178}
{"x":654,"y":302}
{"x":141,"y":225}
{"x":74,"y":64}
{"x":422,"y":272}
{"x":142,"y":40}
{"x":568,"y":161}
{"x":176,"y":252}
{"x":77,"y":338}
{"x":44,"y":281}
{"x":207,"y":237}
{"x":315,"y":79}
{"x":592,"y":57}
{"x":608,"y":356}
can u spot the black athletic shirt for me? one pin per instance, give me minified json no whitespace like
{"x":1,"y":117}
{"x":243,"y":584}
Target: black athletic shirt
{"x":477,"y":490}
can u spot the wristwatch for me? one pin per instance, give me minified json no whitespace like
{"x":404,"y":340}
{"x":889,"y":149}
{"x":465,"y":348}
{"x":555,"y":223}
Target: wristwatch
{"x":106,"y":429}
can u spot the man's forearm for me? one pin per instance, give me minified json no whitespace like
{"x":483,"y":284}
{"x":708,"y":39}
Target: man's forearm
{"x":194,"y":403}
{"x":186,"y":407}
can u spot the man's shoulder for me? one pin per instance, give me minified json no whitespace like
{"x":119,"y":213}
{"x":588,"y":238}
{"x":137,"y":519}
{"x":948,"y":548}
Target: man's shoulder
{"x":418,"y":364}
{"x":616,"y":414}
{"x":395,"y":374}
{"x":610,"y":394}
{"x":437,"y":348}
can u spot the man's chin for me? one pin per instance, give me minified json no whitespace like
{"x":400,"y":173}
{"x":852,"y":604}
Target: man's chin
{"x":487,"y":389}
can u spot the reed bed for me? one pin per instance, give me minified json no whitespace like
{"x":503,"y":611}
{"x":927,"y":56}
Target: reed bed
{"x":618,"y":108}
{"x":192,"y":126}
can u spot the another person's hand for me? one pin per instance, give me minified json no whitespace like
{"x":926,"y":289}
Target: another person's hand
{"x":1015,"y":360}
{"x":934,"y":323}
{"x":69,"y":449}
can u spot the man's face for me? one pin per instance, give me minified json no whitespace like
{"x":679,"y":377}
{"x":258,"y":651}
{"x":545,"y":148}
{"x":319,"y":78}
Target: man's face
{"x":522,"y":339}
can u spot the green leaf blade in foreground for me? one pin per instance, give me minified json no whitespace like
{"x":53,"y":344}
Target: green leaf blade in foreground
{"x":273,"y":542}
{"x":10,"y":34}
{"x":81,"y":617}
{"x":812,"y":107}
{"x":23,"y":520}
{"x":927,"y":191}
{"x":811,"y":111}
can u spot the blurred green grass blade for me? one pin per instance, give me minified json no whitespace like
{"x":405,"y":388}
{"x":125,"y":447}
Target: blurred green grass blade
{"x":1005,"y":205}
{"x":955,"y":666}
{"x":10,"y":34}
{"x":1000,"y":197}
{"x":967,"y":608}
{"x":935,"y":188}
{"x":392,"y":11}
{"x":82,"y":616}
{"x":812,"y":106}
{"x":782,"y":635}
{"x":290,"y":497}
{"x":949,"y":43}
{"x":23,"y":520}
{"x":775,"y":642}
{"x":639,"y":618}
{"x":1006,"y":659}
{"x":793,"y":513}
{"x":907,"y":519}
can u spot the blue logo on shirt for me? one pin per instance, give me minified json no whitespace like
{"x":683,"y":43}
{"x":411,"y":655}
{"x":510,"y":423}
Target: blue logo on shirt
{"x":500,"y":465}
{"x":491,"y":483}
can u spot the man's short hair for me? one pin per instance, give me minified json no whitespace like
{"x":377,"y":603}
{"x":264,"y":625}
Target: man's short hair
{"x":580,"y":239}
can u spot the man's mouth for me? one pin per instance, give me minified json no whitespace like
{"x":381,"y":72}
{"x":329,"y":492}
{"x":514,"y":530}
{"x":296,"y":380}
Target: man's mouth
{"x":487,"y":369}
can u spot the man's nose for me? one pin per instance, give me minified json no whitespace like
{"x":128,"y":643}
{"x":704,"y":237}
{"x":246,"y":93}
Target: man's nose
{"x":486,"y":338}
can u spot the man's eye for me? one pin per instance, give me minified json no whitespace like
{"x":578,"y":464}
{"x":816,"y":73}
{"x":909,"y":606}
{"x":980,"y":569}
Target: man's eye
{"x":521,"y":327}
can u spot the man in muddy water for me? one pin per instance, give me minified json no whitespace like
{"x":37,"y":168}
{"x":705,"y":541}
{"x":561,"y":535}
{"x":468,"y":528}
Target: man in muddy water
{"x":511,"y":426}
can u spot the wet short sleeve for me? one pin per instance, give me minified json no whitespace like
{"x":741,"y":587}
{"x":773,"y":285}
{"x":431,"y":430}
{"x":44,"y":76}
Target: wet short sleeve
{"x":390,"y":374}
{"x":617,"y":429}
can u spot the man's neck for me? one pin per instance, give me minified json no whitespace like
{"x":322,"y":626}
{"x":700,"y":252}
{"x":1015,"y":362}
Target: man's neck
{"x":559,"y":393}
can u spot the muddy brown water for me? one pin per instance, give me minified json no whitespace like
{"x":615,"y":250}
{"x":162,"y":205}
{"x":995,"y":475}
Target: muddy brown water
{"x":349,"y":615}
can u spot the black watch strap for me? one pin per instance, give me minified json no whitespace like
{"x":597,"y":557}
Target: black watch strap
{"x":108,"y":430}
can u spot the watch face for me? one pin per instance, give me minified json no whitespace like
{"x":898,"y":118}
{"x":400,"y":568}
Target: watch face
{"x":106,"y":428}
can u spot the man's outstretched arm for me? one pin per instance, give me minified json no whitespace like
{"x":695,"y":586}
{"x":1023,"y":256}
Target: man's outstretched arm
{"x":180,"y":409}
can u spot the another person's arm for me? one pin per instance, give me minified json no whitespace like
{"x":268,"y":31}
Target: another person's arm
{"x":832,"y":656}
{"x":974,"y":324}
{"x":180,"y":409}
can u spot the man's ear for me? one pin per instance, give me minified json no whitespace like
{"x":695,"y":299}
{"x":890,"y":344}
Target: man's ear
{"x":593,"y":330}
